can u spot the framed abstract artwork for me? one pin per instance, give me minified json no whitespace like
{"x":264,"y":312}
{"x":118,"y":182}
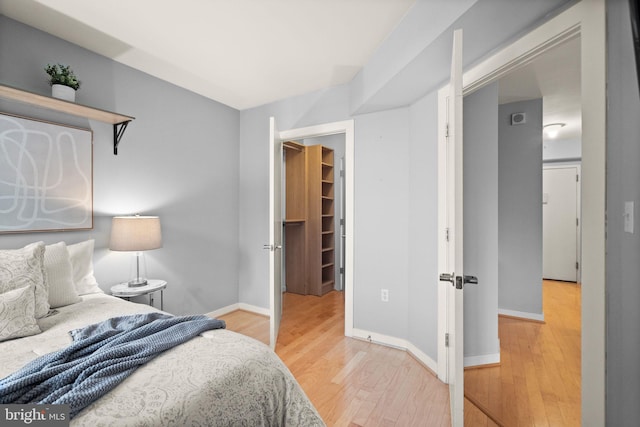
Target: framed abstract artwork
{"x":46,"y":176}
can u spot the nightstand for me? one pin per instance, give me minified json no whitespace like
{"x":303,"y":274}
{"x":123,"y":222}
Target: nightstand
{"x":122,"y":290}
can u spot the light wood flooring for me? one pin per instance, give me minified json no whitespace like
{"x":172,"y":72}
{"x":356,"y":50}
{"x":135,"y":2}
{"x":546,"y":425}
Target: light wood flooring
{"x":538,"y":381}
{"x":350,"y":382}
{"x":355,"y":383}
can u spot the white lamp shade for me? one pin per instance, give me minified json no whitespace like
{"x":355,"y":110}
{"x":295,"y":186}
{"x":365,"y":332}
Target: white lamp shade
{"x":135,"y":233}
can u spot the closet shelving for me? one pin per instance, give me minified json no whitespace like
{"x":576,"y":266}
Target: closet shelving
{"x":309,"y":221}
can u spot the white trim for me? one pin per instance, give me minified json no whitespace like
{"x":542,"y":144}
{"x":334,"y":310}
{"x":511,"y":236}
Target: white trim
{"x":588,"y":20}
{"x":240,"y":306}
{"x":485,"y":359}
{"x":346,"y":127}
{"x":594,"y":141}
{"x":522,"y":314}
{"x":397,"y":343}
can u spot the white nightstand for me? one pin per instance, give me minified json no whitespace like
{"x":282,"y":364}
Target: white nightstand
{"x":123,"y":290}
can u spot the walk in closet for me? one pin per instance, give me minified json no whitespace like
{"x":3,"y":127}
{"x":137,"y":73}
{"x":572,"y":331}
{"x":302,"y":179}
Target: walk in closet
{"x":309,"y":231}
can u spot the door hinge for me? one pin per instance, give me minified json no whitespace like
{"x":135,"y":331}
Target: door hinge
{"x":446,"y":234}
{"x":577,"y":178}
{"x":577,"y":266}
{"x":446,"y":131}
{"x":341,"y":221}
{"x":577,"y":222}
{"x":446,"y":339}
{"x":341,"y":270}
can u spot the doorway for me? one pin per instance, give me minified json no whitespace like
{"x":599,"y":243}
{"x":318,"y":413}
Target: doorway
{"x":314,"y":215}
{"x":588,"y":20}
{"x":347,"y":129}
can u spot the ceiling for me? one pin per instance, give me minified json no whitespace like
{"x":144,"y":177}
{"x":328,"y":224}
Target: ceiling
{"x":246,"y":53}
{"x":242,"y":53}
{"x":554,"y":77}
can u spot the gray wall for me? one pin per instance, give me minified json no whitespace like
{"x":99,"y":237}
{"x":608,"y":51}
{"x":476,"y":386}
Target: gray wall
{"x":520,"y":208}
{"x":423,"y":226}
{"x":623,"y":249}
{"x":178,"y":160}
{"x":481,"y":223}
{"x":409,"y":236}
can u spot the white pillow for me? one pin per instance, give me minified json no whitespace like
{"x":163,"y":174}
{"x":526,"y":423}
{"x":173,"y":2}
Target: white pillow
{"x":57,"y":264}
{"x":24,"y":267}
{"x":17,"y":308}
{"x":81,"y":255}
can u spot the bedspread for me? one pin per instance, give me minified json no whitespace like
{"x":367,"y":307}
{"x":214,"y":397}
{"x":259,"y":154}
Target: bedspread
{"x":219,"y":378}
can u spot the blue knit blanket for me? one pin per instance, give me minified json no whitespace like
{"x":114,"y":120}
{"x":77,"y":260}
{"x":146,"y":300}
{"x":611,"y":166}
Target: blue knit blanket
{"x":101,"y":356}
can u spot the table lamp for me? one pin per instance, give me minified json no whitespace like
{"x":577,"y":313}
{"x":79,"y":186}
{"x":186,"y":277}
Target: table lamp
{"x":135,"y":234}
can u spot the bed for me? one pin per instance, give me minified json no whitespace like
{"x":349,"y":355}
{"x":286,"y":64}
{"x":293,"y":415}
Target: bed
{"x":217,"y":378}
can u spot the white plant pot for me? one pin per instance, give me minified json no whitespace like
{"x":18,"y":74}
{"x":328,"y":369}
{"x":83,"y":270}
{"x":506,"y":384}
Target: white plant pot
{"x":63,"y":92}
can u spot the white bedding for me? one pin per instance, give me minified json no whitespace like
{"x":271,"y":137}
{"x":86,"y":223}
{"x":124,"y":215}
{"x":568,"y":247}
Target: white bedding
{"x":217,"y":379}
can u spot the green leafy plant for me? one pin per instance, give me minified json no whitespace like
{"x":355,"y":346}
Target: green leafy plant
{"x":62,"y":75}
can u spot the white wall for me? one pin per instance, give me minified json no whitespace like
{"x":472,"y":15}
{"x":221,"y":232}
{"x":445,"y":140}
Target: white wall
{"x":561,"y":149}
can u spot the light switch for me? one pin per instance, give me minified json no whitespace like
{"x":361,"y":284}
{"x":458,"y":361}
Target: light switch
{"x":628,"y":217}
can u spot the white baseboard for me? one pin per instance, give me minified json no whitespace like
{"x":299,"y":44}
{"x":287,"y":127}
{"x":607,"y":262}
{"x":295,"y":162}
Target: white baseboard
{"x":398,"y":343}
{"x":239,"y":306}
{"x":522,"y":314}
{"x":485,"y":359}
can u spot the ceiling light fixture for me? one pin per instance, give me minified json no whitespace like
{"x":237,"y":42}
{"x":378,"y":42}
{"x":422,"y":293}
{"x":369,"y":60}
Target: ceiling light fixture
{"x":552,"y":129}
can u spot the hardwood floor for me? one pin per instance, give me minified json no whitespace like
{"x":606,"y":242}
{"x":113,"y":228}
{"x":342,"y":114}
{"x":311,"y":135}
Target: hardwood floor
{"x":355,"y":383}
{"x":538,"y":380}
{"x":351,"y":382}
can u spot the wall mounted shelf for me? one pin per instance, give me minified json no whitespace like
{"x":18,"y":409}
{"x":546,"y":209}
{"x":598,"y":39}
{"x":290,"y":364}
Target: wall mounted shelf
{"x":119,"y":121}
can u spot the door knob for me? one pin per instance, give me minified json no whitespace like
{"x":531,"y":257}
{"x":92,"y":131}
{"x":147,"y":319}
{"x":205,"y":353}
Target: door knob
{"x":446,"y":277}
{"x":471,"y":279}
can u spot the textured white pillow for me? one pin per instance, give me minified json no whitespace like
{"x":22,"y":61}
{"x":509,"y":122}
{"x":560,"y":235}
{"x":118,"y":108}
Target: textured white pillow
{"x":24,"y":267}
{"x":17,"y":308}
{"x":57,"y":264}
{"x":81,"y":255}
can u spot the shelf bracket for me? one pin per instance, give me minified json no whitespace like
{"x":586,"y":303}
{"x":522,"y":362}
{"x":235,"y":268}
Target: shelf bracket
{"x":118,"y":131}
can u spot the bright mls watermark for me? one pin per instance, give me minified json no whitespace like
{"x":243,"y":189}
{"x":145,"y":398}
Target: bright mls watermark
{"x":34,"y":415}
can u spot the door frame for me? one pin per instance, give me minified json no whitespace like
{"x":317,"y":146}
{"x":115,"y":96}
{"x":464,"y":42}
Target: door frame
{"x":345,"y":127}
{"x":586,"y":19}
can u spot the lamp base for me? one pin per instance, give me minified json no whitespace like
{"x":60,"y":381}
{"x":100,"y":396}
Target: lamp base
{"x":136,"y":283}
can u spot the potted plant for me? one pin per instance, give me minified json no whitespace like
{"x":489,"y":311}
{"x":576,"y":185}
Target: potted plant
{"x":63,"y":81}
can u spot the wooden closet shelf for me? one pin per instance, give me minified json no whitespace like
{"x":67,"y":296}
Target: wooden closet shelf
{"x":327,"y":265}
{"x":294,"y":221}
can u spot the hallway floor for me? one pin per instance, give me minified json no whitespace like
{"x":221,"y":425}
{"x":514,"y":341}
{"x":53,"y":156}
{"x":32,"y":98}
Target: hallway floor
{"x":538,"y":380}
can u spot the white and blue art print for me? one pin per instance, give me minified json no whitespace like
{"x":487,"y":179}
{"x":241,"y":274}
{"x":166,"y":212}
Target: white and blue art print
{"x":46,"y":176}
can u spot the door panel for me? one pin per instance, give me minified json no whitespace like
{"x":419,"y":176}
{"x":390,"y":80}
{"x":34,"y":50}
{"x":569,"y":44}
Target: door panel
{"x":275,"y":231}
{"x":455,"y":217}
{"x":559,"y":223}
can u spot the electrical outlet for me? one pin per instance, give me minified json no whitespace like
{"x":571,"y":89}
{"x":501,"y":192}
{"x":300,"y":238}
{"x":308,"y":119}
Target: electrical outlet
{"x":384,"y":295}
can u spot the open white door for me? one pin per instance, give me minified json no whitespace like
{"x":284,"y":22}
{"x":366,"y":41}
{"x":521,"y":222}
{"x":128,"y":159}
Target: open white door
{"x":451,"y":261}
{"x":275,"y":232}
